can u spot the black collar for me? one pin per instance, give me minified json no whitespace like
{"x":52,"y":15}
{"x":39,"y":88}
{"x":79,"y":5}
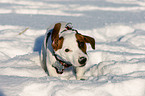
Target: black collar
{"x":63,"y":65}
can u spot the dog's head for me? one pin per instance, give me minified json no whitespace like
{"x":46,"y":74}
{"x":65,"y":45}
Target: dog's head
{"x":71,"y":46}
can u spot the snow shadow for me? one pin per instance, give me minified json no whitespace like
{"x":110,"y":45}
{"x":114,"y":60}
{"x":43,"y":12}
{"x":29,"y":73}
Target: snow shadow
{"x":1,"y":94}
{"x":38,"y":43}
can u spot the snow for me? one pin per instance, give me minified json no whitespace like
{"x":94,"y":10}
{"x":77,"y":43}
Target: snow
{"x":115,"y":68}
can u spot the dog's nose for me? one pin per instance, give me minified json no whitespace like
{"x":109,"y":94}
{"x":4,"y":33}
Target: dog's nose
{"x":82,"y":60}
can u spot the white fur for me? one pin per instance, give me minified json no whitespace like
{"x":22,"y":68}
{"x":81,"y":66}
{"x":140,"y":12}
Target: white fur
{"x":69,"y":42}
{"x":75,"y":52}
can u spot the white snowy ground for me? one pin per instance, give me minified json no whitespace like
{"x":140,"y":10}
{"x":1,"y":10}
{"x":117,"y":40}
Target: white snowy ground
{"x":115,"y":68}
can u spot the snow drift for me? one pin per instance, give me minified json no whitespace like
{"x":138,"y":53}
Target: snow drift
{"x":115,"y":68}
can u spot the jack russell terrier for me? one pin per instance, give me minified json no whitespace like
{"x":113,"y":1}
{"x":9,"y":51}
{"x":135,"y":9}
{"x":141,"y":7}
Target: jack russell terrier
{"x":63,"y":47}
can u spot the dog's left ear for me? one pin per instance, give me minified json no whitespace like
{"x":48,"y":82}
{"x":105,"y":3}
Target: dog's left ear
{"x":90,"y":40}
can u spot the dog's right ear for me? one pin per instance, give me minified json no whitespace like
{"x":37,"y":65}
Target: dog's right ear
{"x":56,"y":41}
{"x":55,"y":32}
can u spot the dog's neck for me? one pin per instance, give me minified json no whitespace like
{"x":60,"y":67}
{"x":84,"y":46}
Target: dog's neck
{"x":60,"y":65}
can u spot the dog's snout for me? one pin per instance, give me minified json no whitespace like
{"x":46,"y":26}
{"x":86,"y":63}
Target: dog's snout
{"x":82,"y":60}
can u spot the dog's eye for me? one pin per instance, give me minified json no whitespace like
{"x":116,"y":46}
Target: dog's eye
{"x":67,"y":50}
{"x":81,"y":44}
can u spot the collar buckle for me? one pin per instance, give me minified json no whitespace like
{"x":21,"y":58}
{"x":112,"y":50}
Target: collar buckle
{"x":62,"y":65}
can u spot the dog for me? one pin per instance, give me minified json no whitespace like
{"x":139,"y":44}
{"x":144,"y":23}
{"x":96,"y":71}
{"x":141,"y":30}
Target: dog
{"x":63,"y":47}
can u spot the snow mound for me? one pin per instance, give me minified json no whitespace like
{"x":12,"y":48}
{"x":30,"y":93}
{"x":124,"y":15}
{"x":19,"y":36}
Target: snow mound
{"x":115,"y":68}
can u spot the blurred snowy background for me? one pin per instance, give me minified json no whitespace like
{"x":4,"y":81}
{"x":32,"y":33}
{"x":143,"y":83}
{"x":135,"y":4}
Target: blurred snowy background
{"x":115,"y":68}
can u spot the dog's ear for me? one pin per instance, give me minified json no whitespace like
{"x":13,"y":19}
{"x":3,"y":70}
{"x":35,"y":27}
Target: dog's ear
{"x":90,"y":40}
{"x":82,"y":39}
{"x":55,"y":31}
{"x":56,"y":41}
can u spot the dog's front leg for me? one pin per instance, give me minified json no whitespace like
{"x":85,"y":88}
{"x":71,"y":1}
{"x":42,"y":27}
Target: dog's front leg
{"x":80,"y":73}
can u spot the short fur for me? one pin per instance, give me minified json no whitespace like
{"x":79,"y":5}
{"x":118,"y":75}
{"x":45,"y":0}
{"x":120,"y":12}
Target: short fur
{"x":68,"y":45}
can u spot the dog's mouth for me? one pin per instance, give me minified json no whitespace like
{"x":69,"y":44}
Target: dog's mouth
{"x":82,"y":65}
{"x":63,"y":62}
{"x":67,"y":63}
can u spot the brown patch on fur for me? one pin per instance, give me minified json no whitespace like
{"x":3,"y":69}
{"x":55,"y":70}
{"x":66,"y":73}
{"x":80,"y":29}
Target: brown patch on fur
{"x":56,"y":41}
{"x":82,"y":40}
{"x":81,"y":43}
{"x":55,"y":32}
{"x":57,"y":44}
{"x":90,"y":40}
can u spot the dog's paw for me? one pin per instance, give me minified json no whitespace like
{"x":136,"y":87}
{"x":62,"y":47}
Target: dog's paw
{"x":81,"y":78}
